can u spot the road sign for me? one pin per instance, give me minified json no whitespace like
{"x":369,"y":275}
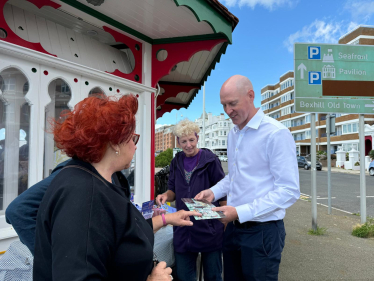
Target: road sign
{"x":334,"y":78}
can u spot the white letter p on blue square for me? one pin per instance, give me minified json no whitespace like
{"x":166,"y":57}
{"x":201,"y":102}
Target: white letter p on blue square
{"x":315,"y":78}
{"x":314,"y":53}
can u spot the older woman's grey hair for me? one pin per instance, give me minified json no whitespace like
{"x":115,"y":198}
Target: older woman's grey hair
{"x":185,"y":127}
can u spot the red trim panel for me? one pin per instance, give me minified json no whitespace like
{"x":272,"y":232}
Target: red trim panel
{"x":14,"y":38}
{"x":177,"y":52}
{"x":136,"y":48}
{"x":171,"y":91}
{"x":167,"y":108}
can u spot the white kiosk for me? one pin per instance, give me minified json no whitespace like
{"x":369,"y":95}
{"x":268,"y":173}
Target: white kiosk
{"x":55,"y":53}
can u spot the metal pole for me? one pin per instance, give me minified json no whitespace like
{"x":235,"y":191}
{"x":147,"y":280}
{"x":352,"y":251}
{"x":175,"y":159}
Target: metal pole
{"x":203,"y":142}
{"x":362,"y":169}
{"x":328,"y":163}
{"x":313,"y":170}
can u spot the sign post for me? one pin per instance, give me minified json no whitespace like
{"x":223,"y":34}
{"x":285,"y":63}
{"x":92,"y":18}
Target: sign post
{"x":336,"y":79}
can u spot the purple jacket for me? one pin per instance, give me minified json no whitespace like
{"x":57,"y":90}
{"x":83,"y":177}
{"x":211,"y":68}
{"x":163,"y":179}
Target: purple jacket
{"x":204,"y":235}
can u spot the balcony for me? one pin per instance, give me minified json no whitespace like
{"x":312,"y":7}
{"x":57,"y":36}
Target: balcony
{"x":300,"y":127}
{"x":274,"y":108}
{"x":296,"y":114}
{"x":340,"y":138}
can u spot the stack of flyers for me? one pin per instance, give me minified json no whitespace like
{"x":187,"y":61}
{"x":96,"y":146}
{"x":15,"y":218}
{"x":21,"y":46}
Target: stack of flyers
{"x":203,"y":207}
{"x":147,"y":209}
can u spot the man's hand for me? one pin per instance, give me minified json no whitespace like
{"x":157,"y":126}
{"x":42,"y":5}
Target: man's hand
{"x":230,"y":213}
{"x":181,"y":218}
{"x":160,"y":273}
{"x":206,"y":194}
{"x":161,"y":199}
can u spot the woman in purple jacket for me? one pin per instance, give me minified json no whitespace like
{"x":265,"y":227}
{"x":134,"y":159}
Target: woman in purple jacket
{"x":191,"y":171}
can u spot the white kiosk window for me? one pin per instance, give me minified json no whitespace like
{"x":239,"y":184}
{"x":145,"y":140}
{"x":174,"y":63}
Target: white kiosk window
{"x":60,"y":94}
{"x":14,"y":135}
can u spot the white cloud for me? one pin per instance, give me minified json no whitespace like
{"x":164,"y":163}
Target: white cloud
{"x":268,"y":4}
{"x":319,"y":31}
{"x":360,"y":10}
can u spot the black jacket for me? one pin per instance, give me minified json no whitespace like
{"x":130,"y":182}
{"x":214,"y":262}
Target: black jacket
{"x":88,"y":230}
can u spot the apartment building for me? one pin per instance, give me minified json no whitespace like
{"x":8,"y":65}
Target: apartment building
{"x":164,"y":138}
{"x":277,"y":101}
{"x":216,"y":131}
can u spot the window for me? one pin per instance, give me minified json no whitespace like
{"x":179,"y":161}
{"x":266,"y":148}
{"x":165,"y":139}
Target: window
{"x":14,"y":136}
{"x":350,"y":128}
{"x":223,"y":142}
{"x":224,"y":133}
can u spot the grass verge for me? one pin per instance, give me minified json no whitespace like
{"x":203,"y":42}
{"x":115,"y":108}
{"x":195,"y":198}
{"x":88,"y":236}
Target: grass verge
{"x":365,"y":230}
{"x":319,"y":231}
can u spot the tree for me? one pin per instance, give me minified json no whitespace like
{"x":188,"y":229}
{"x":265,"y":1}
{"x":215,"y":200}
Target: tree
{"x":371,"y":154}
{"x":164,"y":158}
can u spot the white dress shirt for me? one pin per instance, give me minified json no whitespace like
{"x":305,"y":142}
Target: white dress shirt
{"x":263,"y":178}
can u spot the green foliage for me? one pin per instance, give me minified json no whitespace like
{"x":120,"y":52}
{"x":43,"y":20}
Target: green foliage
{"x":365,"y":230}
{"x":319,"y":231}
{"x":357,"y":163}
{"x":321,"y":155}
{"x":371,"y":154}
{"x":347,"y":156}
{"x":164,"y":158}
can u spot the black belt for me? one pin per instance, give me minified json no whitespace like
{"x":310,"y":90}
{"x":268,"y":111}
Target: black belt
{"x":249,"y":224}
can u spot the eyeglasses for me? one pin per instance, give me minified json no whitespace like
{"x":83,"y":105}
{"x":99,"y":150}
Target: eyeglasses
{"x":135,"y":138}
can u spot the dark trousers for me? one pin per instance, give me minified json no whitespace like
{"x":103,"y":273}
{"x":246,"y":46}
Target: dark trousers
{"x":253,"y":253}
{"x":186,"y":265}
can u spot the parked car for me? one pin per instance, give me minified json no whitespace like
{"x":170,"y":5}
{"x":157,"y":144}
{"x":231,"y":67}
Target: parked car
{"x":305,"y":161}
{"x":371,"y":168}
{"x":223,"y":158}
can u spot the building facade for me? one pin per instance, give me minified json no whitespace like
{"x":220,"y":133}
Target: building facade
{"x":277,"y":101}
{"x":216,"y":131}
{"x":164,"y":138}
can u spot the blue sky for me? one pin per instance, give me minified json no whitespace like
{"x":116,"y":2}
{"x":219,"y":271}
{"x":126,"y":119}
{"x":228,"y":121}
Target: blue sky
{"x":263,"y":40}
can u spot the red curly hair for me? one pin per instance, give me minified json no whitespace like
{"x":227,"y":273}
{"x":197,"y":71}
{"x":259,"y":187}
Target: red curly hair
{"x":95,"y":122}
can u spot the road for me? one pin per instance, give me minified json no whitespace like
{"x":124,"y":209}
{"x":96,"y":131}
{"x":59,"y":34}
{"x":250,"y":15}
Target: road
{"x":345,"y":189}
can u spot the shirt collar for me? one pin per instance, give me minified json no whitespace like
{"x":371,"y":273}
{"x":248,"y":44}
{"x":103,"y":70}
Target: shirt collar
{"x":255,"y":121}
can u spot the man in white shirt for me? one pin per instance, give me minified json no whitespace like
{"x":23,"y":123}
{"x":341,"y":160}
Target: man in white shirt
{"x":263,"y":181}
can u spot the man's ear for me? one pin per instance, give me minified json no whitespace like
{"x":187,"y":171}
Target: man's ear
{"x":251,"y":94}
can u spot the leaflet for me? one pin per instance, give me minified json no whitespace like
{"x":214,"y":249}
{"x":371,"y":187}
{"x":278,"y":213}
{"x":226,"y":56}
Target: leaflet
{"x":203,"y":207}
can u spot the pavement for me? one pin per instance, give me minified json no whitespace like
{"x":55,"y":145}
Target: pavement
{"x":336,"y":255}
{"x":340,"y":170}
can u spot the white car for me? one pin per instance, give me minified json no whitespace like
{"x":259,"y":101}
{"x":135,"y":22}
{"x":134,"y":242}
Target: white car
{"x":223,"y":158}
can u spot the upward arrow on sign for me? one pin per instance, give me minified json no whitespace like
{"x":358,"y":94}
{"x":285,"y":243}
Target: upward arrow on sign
{"x":302,"y":68}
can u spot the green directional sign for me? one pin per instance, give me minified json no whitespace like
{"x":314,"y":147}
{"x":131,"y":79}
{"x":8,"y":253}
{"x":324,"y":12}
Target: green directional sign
{"x":334,"y":78}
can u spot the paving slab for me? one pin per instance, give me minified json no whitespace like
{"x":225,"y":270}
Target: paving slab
{"x":337,"y":255}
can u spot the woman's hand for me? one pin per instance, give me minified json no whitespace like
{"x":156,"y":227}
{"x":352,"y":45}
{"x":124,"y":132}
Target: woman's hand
{"x":161,"y":199}
{"x":181,"y":218}
{"x":160,"y":273}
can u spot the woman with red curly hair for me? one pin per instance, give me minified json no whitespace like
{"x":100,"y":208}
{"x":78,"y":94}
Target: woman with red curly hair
{"x":87,"y":228}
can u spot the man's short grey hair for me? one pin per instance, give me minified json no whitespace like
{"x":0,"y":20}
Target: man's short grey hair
{"x":185,"y":127}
